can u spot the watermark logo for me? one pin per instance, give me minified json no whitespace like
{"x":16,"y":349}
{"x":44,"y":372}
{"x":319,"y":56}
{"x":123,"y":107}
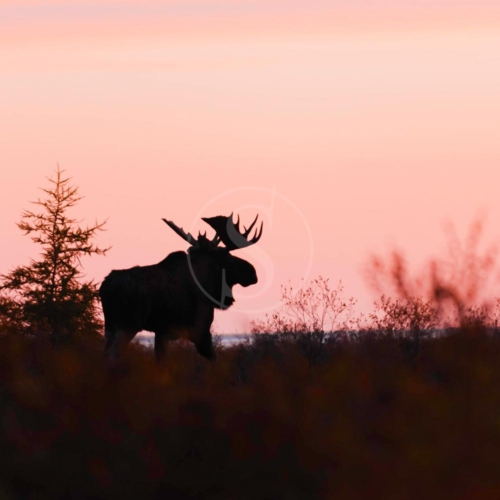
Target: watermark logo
{"x":286,"y":236}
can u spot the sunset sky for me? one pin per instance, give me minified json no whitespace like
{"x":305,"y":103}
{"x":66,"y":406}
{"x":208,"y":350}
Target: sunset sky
{"x":350,"y":127}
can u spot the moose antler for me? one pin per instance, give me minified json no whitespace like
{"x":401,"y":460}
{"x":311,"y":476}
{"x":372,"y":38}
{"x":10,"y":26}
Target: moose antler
{"x":195,"y":242}
{"x":229,"y":233}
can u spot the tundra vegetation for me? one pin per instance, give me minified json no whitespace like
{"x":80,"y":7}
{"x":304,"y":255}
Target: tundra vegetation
{"x":320,"y":402}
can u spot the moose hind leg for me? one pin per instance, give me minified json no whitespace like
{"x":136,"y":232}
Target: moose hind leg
{"x":116,"y":343}
{"x":109,"y":336}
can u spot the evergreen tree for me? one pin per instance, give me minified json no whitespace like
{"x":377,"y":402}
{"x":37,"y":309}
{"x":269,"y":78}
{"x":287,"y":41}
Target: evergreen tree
{"x":50,"y":296}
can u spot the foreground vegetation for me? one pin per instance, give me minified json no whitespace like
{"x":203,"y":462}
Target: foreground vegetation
{"x":320,"y":403}
{"x":365,"y":417}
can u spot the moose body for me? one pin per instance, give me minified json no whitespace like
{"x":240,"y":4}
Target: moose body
{"x":175,"y":298}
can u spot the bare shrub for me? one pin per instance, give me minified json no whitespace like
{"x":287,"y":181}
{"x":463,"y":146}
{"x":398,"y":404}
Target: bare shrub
{"x":312,"y":316}
{"x":314,"y":307}
{"x":407,"y":319}
{"x":397,"y":317}
{"x":457,"y":287}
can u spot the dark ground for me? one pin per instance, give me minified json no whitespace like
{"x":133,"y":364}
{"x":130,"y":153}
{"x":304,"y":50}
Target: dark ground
{"x":274,"y":419}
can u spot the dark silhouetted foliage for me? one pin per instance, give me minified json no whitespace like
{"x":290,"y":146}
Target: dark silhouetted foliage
{"x":458,"y":285}
{"x":313,"y":307}
{"x":399,"y":408}
{"x":313,"y":317}
{"x":49,"y":296}
{"x":259,"y":423}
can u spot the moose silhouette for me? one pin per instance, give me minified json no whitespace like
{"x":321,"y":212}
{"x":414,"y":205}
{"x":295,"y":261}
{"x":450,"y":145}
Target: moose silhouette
{"x":176,"y":298}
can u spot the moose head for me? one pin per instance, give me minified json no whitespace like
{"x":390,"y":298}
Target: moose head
{"x":213,"y":267}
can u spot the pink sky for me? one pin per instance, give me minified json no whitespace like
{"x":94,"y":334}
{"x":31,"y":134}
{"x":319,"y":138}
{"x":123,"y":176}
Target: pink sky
{"x":348,"y":129}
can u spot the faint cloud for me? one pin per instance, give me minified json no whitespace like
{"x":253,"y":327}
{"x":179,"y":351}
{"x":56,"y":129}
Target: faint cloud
{"x":30,"y":11}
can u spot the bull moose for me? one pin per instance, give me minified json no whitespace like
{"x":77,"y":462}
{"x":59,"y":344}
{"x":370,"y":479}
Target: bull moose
{"x":176,"y":298}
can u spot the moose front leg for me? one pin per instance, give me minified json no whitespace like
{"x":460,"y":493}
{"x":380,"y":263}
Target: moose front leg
{"x":205,"y":346}
{"x":203,"y":338}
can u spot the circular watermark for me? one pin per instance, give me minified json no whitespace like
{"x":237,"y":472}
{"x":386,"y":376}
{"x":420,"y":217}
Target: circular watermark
{"x":264,"y":203}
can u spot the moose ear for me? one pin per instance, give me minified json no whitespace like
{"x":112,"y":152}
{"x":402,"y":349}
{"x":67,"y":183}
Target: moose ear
{"x":218,"y":223}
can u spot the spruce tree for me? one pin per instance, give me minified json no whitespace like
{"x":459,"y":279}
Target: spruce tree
{"x":50,"y":296}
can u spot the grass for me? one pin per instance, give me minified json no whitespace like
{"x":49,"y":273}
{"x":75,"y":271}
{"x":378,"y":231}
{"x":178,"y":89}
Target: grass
{"x":364,"y":420}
